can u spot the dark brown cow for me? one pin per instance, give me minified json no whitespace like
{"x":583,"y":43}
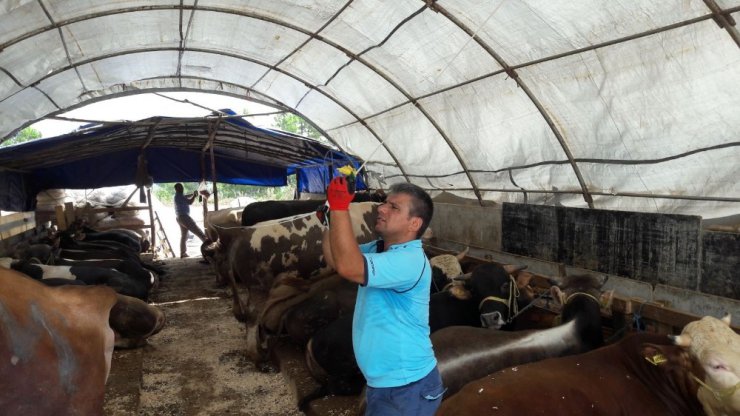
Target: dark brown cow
{"x":466,"y":353}
{"x":261,"y":211}
{"x":254,"y":256}
{"x":640,"y":375}
{"x":56,"y":347}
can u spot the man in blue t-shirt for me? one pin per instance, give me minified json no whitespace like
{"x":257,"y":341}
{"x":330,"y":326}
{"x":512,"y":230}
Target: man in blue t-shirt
{"x":390,"y":328}
{"x":186,"y":222}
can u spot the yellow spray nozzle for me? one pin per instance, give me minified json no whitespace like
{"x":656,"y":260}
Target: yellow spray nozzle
{"x":347,"y":170}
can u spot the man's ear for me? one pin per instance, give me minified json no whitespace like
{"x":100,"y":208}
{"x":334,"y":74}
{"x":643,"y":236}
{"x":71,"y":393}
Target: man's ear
{"x":415,"y":224}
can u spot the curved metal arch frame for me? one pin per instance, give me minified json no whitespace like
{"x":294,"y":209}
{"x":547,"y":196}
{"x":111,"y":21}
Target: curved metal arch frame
{"x":182,"y":48}
{"x":59,"y":25}
{"x":513,"y":75}
{"x":718,"y":14}
{"x":246,"y":88}
{"x":721,"y":17}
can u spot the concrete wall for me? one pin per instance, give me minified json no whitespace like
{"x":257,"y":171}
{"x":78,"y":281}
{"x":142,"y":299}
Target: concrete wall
{"x":656,"y":249}
{"x":720,"y":264}
{"x":469,"y":224}
{"x":653,"y":248}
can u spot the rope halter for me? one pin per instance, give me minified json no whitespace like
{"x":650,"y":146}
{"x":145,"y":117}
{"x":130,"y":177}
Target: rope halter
{"x":511,"y":303}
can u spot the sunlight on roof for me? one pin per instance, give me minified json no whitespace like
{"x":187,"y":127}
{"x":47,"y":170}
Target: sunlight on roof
{"x":142,"y":106}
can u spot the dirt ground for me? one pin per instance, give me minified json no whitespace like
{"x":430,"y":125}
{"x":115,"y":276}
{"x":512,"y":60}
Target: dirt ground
{"x":196,"y":365}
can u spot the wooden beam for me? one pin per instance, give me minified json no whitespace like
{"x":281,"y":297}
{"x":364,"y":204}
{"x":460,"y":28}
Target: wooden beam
{"x":17,"y":223}
{"x":150,"y":134}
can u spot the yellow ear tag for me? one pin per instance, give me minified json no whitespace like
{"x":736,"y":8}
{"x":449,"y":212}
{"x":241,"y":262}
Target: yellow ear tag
{"x":657,"y":359}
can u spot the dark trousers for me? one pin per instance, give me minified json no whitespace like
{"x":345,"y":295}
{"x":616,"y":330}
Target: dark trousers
{"x":420,"y":398}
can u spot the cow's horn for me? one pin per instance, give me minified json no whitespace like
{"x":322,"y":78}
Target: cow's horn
{"x":555,"y":280}
{"x":514,"y":268}
{"x":465,"y":276}
{"x":461,"y":255}
{"x":681,"y":340}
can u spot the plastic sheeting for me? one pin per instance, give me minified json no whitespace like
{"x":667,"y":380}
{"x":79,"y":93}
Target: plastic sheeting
{"x":110,"y":155}
{"x":612,"y":105}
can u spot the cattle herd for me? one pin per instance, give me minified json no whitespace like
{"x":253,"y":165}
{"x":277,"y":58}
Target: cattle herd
{"x":75,"y":296}
{"x":491,"y":361}
{"x":66,"y":302}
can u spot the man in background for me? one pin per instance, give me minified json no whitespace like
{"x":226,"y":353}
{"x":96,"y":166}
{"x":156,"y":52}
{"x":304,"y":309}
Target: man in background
{"x":186,"y":222}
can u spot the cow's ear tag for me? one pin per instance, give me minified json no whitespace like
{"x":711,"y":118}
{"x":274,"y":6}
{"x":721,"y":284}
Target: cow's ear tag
{"x":657,"y":359}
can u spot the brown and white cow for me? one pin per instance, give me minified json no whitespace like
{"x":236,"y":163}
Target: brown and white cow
{"x":56,"y":346}
{"x":643,"y":374}
{"x":56,"y":343}
{"x":224,"y":218}
{"x":716,"y":347}
{"x":255,"y":255}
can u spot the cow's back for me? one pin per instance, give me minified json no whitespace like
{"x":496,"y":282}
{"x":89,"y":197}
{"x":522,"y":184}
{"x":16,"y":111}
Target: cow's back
{"x":56,"y":347}
{"x":614,"y":380}
{"x":261,"y":211}
{"x":261,"y":252}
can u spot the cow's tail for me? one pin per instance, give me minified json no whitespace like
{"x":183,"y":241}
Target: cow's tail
{"x":317,"y":372}
{"x":318,"y":393}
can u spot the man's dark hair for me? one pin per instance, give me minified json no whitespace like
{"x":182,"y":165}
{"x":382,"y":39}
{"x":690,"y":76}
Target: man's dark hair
{"x":178,"y":187}
{"x":421,"y":203}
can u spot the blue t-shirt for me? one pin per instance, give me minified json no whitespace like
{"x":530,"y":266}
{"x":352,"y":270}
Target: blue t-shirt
{"x":182,"y":205}
{"x":390,"y":329}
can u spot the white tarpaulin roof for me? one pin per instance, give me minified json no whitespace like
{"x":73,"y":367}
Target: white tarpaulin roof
{"x":629,"y":105}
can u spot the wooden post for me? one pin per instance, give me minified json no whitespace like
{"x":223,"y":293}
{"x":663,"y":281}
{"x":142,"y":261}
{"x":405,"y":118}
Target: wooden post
{"x":213,"y":179}
{"x":213,"y":128}
{"x":151,"y":221}
{"x":69,"y":213}
{"x":61,"y":220}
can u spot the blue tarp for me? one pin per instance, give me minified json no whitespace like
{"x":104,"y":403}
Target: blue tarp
{"x":107,"y":156}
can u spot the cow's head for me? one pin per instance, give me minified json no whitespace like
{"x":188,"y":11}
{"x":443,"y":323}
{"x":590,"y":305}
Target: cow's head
{"x":716,"y":347}
{"x":446,"y":267}
{"x":677,"y":373}
{"x":496,"y":288}
{"x":567,"y":288}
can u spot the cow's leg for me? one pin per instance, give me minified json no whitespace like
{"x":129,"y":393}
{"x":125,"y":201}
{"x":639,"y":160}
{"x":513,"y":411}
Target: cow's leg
{"x":240,"y":298}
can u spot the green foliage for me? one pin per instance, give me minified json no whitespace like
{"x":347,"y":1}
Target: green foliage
{"x":165,"y":192}
{"x":295,"y":124}
{"x":25,"y":135}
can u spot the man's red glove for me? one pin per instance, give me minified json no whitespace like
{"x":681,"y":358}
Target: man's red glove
{"x":338,"y":195}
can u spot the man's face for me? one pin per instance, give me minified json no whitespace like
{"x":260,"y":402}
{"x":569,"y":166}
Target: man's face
{"x":393,"y":216}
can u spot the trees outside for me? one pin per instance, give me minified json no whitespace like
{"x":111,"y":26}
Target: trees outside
{"x":165,"y":192}
{"x":295,"y":124}
{"x":25,"y":135}
{"x":286,"y":122}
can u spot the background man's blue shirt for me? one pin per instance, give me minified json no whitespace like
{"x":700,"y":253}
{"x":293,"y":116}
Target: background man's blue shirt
{"x":390,"y":329}
{"x":182,"y":206}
